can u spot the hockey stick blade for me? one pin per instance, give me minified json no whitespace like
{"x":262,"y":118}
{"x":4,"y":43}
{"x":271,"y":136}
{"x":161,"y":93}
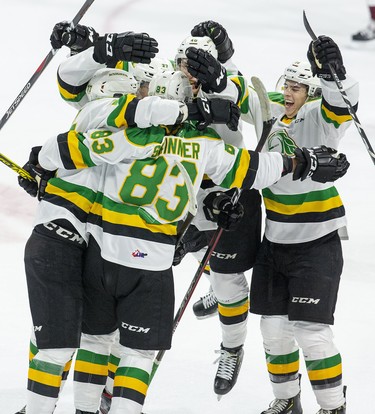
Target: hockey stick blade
{"x":308,"y":27}
{"x":193,"y":204}
{"x":265,"y":107}
{"x":341,"y":89}
{"x":41,"y":67}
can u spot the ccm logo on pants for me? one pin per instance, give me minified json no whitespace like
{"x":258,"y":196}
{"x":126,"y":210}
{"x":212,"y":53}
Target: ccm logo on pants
{"x":134,"y":328}
{"x":224,"y":256}
{"x":305,"y":300}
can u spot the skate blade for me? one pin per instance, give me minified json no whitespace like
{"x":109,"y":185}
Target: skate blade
{"x":207,"y":316}
{"x":219,"y":397}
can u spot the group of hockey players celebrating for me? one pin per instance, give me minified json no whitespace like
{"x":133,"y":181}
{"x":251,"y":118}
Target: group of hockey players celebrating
{"x":150,"y":135}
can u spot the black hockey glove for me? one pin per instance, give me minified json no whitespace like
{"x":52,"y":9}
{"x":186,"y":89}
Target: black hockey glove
{"x":193,"y":241}
{"x":128,"y":46}
{"x":321,"y":164}
{"x":218,"y":207}
{"x":219,"y":36}
{"x":78,"y":39}
{"x":37,"y":187}
{"x":214,"y":111}
{"x":225,"y":112}
{"x":203,"y":66}
{"x":323,"y":52}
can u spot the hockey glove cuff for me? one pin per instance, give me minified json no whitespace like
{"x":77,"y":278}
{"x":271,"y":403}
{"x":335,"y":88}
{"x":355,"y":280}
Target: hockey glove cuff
{"x":287,"y":165}
{"x":200,"y":110}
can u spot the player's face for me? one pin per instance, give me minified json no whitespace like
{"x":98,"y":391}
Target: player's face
{"x":143,"y":90}
{"x":295,"y":95}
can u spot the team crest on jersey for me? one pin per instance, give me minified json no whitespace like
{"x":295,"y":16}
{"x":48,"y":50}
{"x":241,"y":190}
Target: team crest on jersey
{"x":280,"y":141}
{"x":138,"y":253}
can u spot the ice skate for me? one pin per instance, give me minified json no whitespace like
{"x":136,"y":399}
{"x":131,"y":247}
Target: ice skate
{"x":287,"y":406}
{"x":206,"y":306}
{"x":230,"y":361}
{"x":366,"y":34}
{"x":339,"y":410}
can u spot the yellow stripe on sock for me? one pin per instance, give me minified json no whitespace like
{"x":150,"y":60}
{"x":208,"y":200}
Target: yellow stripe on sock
{"x":44,"y":378}
{"x":283,"y":368}
{"x":133,"y":383}
{"x":322,"y":374}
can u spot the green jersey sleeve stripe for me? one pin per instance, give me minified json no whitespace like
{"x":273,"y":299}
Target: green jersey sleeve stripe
{"x":70,"y":92}
{"x":335,"y":115}
{"x":118,"y":118}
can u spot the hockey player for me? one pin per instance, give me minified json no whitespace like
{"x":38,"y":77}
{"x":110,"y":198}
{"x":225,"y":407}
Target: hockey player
{"x":205,"y":57}
{"x":61,"y":227}
{"x":61,"y":224}
{"x":144,"y":72}
{"x":133,"y":225}
{"x":296,"y":277}
{"x":90,"y":52}
{"x":368,"y":33}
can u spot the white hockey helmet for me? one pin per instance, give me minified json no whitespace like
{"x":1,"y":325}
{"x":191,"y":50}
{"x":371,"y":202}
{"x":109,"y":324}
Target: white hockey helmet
{"x":203,"y":42}
{"x":301,"y":72}
{"x":109,"y":83}
{"x":171,"y":85}
{"x":144,"y":72}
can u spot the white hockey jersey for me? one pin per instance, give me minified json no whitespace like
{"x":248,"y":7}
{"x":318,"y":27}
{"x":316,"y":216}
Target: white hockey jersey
{"x":110,"y":114}
{"x":301,"y":211}
{"x":134,"y":210}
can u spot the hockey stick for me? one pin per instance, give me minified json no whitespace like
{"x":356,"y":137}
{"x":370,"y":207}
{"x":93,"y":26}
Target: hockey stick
{"x":268,"y":119}
{"x":19,"y":170}
{"x":42,"y":66}
{"x":343,"y":94}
